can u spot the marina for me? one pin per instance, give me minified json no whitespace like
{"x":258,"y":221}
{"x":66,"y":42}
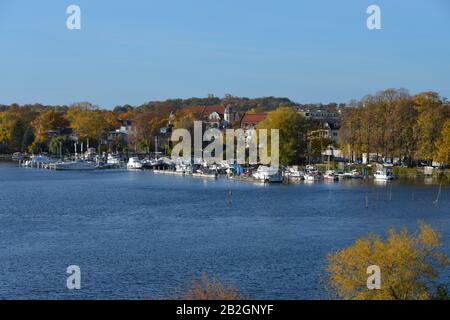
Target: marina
{"x":256,"y":173}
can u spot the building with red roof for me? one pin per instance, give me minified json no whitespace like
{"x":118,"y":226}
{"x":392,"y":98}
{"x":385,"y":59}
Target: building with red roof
{"x":251,"y":120}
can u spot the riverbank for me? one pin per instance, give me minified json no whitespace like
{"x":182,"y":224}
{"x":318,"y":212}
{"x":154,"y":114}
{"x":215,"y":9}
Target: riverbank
{"x":398,"y":171}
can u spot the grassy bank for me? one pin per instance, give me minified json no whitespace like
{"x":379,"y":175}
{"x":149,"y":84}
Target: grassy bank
{"x":397,"y":170}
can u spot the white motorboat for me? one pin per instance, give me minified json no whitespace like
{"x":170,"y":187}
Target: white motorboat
{"x":354,"y":174}
{"x":183,"y":169}
{"x":134,"y":163}
{"x":330,"y":175}
{"x":294,"y":172}
{"x":383,"y":175}
{"x":312,"y":174}
{"x":114,"y":159}
{"x":268,"y":174}
{"x":37,"y":161}
{"x":211,"y":174}
{"x":312,"y":177}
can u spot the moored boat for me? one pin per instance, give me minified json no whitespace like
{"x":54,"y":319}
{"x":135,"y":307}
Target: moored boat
{"x":312,"y":174}
{"x":354,"y":174}
{"x":134,"y":163}
{"x":294,"y":172}
{"x":331,"y":175}
{"x":268,"y":174}
{"x":383,"y":175}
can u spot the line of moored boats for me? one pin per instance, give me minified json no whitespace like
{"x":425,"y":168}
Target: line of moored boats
{"x":165,"y":165}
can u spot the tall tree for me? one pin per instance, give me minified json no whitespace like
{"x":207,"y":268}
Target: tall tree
{"x":443,"y":145}
{"x":12,"y":130}
{"x":431,"y":117}
{"x":45,"y":122}
{"x":88,"y":124}
{"x":292,"y":128}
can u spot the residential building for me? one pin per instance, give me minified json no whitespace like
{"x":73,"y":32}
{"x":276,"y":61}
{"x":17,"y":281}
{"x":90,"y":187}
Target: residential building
{"x":251,"y":120}
{"x":218,"y":116}
{"x":321,"y":114}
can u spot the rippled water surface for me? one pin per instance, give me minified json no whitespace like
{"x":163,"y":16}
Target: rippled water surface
{"x":137,"y":235}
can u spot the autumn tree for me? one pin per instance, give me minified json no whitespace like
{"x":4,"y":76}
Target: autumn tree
{"x":431,"y":117}
{"x":13,"y":131}
{"x":206,"y":288}
{"x":112,"y":120}
{"x":146,"y":126}
{"x":45,"y":122}
{"x":185,"y":120}
{"x":443,"y":145}
{"x":409,"y":265}
{"x":88,"y":124}
{"x":349,"y":137}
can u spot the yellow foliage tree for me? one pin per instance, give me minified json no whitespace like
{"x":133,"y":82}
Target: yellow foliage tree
{"x":205,"y":288}
{"x":48,"y":120}
{"x":443,"y":145}
{"x":87,"y":123}
{"x":431,"y":117}
{"x":13,"y":127}
{"x":408,"y":264}
{"x":7,"y":122}
{"x":292,"y":127}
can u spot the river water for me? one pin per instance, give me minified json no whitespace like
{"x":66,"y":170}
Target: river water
{"x":137,"y":235}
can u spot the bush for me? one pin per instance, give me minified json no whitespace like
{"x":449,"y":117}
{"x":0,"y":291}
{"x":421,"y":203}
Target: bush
{"x":409,"y":267}
{"x":204,"y":288}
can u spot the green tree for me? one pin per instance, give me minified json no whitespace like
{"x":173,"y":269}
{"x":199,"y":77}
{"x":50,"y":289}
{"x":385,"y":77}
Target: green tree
{"x":408,"y":262}
{"x":292,"y":128}
{"x":12,"y":130}
{"x":61,"y":142}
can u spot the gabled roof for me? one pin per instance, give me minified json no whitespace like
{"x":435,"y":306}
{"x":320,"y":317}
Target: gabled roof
{"x":254,"y":117}
{"x":210,"y":109}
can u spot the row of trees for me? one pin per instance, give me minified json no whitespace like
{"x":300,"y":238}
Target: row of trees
{"x":393,"y":123}
{"x":36,"y":128}
{"x":26,"y":128}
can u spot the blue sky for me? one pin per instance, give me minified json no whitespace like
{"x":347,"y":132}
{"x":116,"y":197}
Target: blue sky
{"x":136,"y":51}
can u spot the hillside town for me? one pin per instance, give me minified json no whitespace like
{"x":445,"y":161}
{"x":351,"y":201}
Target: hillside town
{"x":362,"y":133}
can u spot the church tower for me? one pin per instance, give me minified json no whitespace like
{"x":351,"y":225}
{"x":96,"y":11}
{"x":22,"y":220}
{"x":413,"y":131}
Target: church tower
{"x":228,"y":115}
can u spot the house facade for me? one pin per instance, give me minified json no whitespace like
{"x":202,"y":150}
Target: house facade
{"x":251,"y":120}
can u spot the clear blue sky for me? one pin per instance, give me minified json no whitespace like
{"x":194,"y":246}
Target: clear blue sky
{"x":135,"y":51}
